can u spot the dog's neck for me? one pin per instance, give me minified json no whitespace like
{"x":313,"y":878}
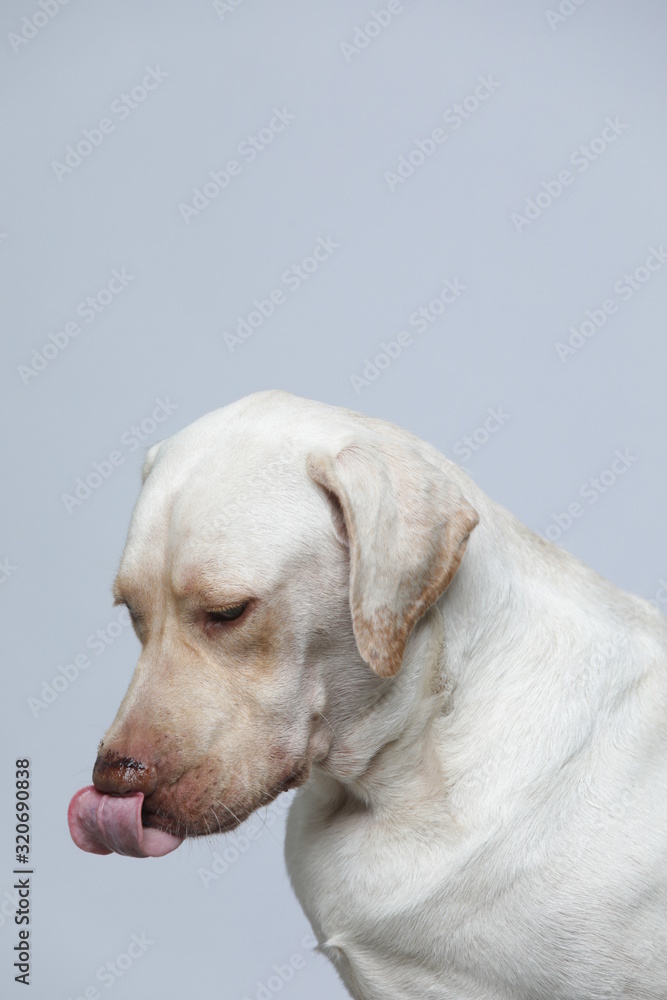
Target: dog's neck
{"x":372,"y":751}
{"x":437,"y":726}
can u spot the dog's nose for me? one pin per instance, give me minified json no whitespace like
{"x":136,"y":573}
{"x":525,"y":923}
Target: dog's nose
{"x":120,"y":775}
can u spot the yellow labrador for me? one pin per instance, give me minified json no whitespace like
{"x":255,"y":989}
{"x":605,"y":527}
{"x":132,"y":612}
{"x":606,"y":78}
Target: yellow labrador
{"x":476,"y":721}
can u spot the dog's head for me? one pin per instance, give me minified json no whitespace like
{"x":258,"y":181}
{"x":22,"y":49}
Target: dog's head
{"x":279,"y":555}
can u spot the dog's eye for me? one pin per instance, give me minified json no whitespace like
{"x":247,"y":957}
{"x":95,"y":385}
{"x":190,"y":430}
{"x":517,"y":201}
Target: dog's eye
{"x":227,"y":614}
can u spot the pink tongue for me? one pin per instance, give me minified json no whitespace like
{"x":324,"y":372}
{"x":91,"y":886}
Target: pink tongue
{"x":104,"y":823}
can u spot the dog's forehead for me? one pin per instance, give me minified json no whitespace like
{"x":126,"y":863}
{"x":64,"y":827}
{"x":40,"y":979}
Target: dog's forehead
{"x":229,"y":496}
{"x":230,"y":504}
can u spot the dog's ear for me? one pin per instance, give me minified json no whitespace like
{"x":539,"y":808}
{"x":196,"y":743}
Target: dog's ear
{"x":406,"y":525}
{"x":149,"y":461}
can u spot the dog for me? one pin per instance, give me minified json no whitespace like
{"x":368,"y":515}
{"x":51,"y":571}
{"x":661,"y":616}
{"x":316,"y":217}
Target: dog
{"x":475,"y":721}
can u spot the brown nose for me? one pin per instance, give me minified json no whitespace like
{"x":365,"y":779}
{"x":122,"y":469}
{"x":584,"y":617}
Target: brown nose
{"x":120,"y":775}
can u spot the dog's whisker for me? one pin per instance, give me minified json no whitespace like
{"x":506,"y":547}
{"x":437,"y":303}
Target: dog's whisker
{"x":237,"y":777}
{"x":328,"y":724}
{"x":82,"y":770}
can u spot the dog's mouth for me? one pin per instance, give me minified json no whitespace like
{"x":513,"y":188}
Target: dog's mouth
{"x":152,"y":819}
{"x":102,"y":823}
{"x":204,"y":826}
{"x":221,"y":818}
{"x":106,"y":824}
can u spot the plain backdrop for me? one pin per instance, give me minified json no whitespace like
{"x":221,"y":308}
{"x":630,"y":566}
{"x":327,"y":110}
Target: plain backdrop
{"x":539,"y":197}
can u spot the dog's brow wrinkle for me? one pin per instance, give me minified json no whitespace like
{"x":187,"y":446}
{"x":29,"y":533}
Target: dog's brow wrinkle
{"x":214,"y":597}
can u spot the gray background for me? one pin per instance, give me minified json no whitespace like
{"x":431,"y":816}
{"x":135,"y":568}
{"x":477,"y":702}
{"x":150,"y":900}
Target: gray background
{"x":556,"y":80}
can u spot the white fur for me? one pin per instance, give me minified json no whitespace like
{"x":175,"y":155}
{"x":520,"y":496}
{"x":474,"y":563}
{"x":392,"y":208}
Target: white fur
{"x":491,"y":822}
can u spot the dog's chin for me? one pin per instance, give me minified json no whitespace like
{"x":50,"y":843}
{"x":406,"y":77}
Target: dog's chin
{"x":203,"y":825}
{"x":218,"y":817}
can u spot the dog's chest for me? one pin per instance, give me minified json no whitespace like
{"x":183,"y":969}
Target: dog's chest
{"x":371,"y":902}
{"x":403,"y":915}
